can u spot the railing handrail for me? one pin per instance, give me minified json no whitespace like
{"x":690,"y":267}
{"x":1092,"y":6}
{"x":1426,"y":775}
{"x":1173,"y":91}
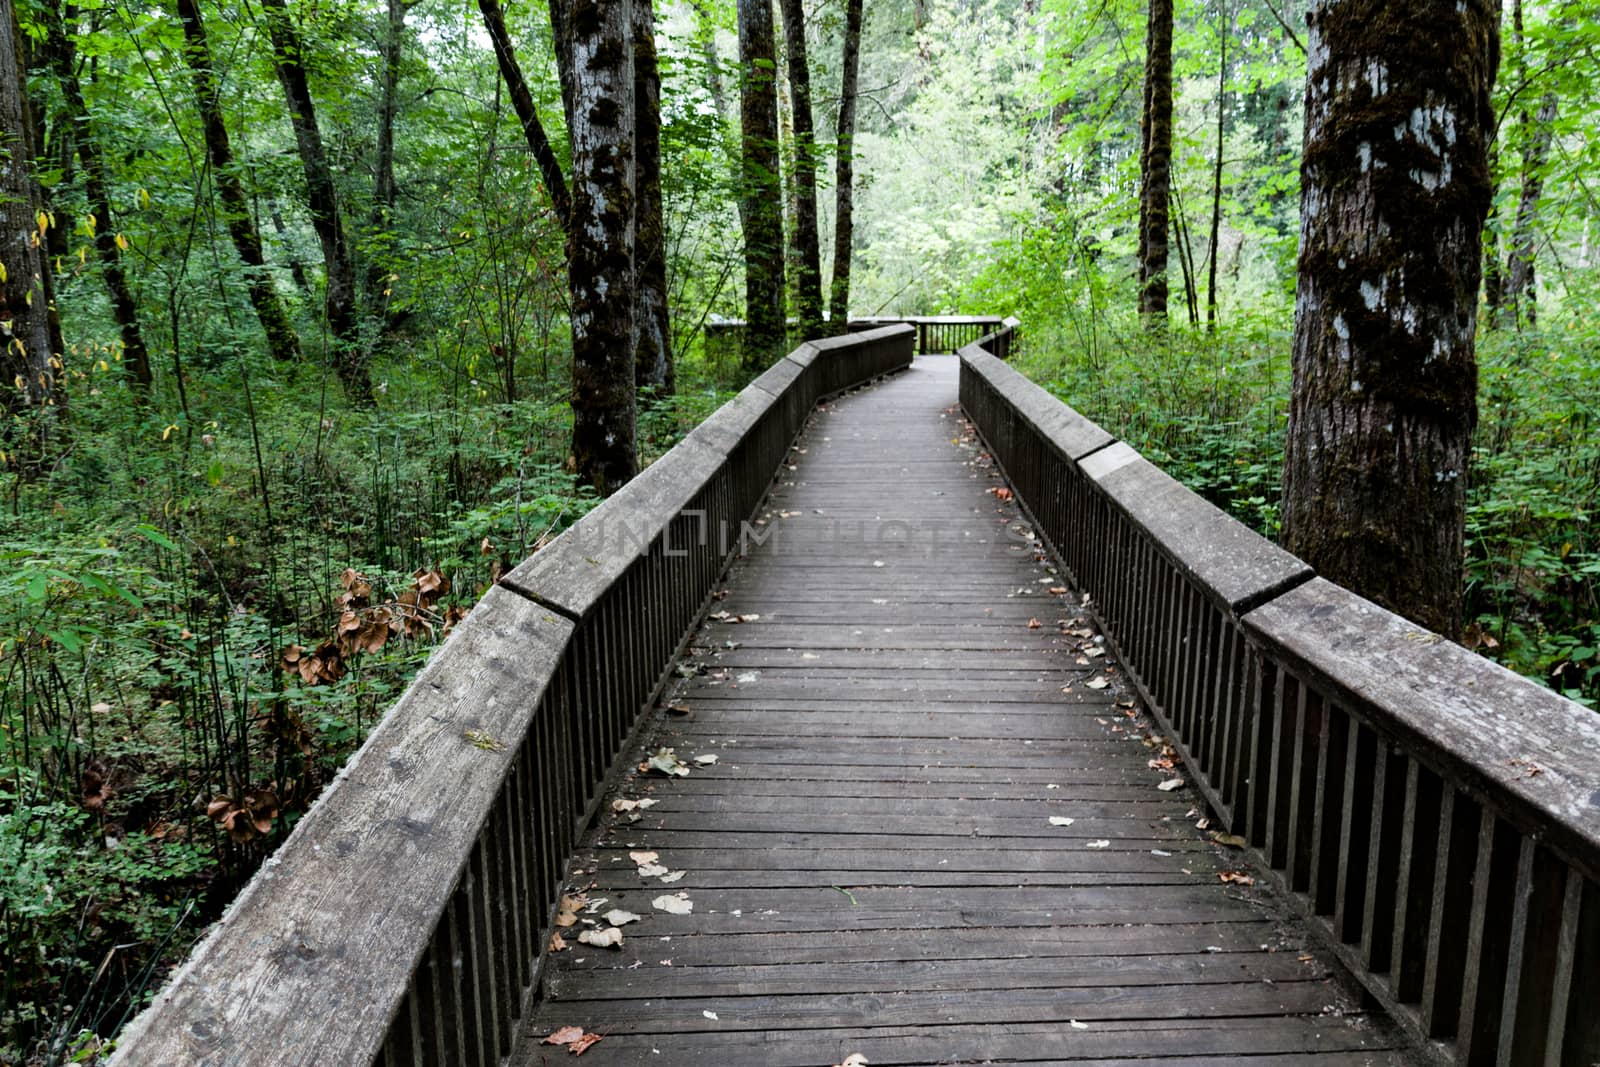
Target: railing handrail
{"x":1434,"y":814}
{"x":405,"y":917}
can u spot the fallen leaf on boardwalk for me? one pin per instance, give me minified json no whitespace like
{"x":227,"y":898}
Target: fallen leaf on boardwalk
{"x":567,"y":912}
{"x":558,"y":943}
{"x":1236,"y":877}
{"x":855,"y":1059}
{"x":1231,"y":840}
{"x":673,"y":876}
{"x":580,"y":1046}
{"x":1097,"y":683}
{"x":1076,"y":1025}
{"x":608,"y":938}
{"x":1170,"y":784}
{"x":710,"y":1015}
{"x":564,"y":1036}
{"x":666,"y":761}
{"x":642,"y":858}
{"x":705,"y":761}
{"x":1060,"y":820}
{"x":1034,"y":624}
{"x":1098,"y":844}
{"x":680,"y":709}
{"x":1159,"y":852}
{"x":618,"y":917}
{"x":1058,"y":590}
{"x":629,"y":805}
{"x":652,"y":870}
{"x":673,"y":904}
{"x":1000,"y":492}
{"x":1163,"y":764}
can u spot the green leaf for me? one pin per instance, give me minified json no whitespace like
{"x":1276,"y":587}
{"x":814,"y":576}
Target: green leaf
{"x":156,"y":537}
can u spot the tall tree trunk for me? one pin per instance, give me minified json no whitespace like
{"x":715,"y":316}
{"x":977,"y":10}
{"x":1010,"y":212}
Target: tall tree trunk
{"x":124,"y":308}
{"x":30,"y":339}
{"x":381,"y":253}
{"x":1494,"y":278}
{"x":705,"y":35}
{"x":1385,"y":379}
{"x":761,"y":188}
{"x":322,"y":198}
{"x":282,"y":341}
{"x":808,"y":269}
{"x":1216,"y":176}
{"x":297,"y":269}
{"x":595,"y":38}
{"x":1185,"y":237}
{"x":652,"y":330}
{"x":1519,"y":268}
{"x":1156,"y":165}
{"x":544,"y":155}
{"x":844,"y":173}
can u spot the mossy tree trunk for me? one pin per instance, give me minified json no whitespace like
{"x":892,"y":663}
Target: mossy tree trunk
{"x":108,"y":244}
{"x":282,"y":340}
{"x":653,"y":368}
{"x":31,"y":354}
{"x":761,"y":189}
{"x":595,"y":42}
{"x":322,"y":198}
{"x":844,"y":171}
{"x":1395,"y":188}
{"x":808,"y":253}
{"x":1155,"y":164}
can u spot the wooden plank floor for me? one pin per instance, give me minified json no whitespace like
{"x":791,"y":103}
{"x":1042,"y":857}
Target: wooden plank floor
{"x":910,"y":700}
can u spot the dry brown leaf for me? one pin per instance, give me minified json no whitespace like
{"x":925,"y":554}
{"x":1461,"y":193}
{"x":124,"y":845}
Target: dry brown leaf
{"x":557,"y":943}
{"x":1236,"y":877}
{"x":564,"y":1036}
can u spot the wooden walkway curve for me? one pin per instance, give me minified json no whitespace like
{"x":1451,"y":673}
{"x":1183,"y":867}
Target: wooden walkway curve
{"x":934,"y":830}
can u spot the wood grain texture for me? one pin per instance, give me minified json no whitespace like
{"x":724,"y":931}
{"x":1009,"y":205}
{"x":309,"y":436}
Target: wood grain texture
{"x":313,"y":958}
{"x":1235,"y":565}
{"x":1473,"y":722}
{"x":1073,"y":435}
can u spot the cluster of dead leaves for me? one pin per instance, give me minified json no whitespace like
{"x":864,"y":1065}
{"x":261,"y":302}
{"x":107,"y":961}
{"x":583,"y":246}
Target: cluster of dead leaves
{"x":365,"y":627}
{"x":249,"y":815}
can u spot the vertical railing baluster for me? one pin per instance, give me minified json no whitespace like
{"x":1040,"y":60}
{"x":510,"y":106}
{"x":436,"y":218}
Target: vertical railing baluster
{"x":1419,"y":852}
{"x":1450,"y":914}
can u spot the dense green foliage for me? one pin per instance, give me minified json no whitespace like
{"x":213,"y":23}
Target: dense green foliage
{"x":214,"y":590}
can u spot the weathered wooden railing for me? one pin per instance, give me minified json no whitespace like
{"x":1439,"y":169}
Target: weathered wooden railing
{"x":949,"y":333}
{"x":1435,"y":816}
{"x":934,"y":333}
{"x":405,"y":918}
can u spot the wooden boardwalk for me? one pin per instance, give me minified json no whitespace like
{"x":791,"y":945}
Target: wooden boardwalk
{"x":933,"y":831}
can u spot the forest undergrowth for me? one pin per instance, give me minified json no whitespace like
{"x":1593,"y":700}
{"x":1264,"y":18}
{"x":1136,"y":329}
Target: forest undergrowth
{"x":203,"y":615}
{"x":1211,"y":408}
